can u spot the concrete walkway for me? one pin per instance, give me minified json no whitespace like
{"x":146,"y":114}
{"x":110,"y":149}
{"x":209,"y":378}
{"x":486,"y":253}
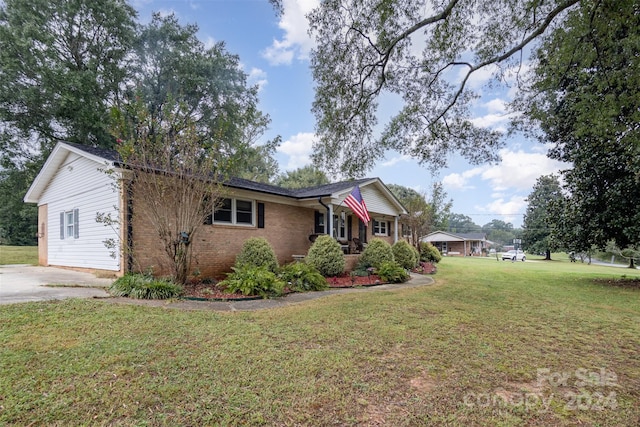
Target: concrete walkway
{"x":24,"y":283}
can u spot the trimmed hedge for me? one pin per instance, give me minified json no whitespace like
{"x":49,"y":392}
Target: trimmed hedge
{"x":404,"y":254}
{"x":429,"y":253}
{"x":257,"y":252}
{"x":376,"y":252}
{"x":326,"y":256}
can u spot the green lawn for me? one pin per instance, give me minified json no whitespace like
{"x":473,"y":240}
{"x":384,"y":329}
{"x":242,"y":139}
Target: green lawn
{"x":466,"y":351}
{"x":18,"y":255}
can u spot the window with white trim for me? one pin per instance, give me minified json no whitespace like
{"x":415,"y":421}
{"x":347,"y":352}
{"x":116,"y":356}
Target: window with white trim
{"x":235,"y":212}
{"x":380,"y":228}
{"x":69,"y":224}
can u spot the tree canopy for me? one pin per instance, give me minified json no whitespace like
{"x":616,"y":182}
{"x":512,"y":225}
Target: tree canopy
{"x":584,"y":97}
{"x":426,"y":53}
{"x":306,"y":176}
{"x":65,"y":64}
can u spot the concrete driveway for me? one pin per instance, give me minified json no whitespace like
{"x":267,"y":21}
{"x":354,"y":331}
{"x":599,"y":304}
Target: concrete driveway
{"x":23,"y":283}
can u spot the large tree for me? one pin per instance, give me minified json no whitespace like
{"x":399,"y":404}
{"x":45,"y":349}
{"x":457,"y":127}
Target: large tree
{"x":171,"y":64}
{"x":538,"y":220}
{"x":584,"y":98}
{"x":62,"y":63}
{"x":306,"y":176}
{"x":427,"y":53}
{"x":459,"y":223}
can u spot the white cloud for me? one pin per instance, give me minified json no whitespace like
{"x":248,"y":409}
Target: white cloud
{"x":296,"y":41}
{"x":520,"y":170}
{"x":209,"y":42}
{"x":510,"y":210}
{"x":299,"y":148}
{"x":460,"y":181}
{"x":394,"y":160}
{"x":257,"y":77}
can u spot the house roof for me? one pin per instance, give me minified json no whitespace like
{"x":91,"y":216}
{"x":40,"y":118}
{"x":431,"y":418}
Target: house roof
{"x":439,"y":235}
{"x":111,"y":157}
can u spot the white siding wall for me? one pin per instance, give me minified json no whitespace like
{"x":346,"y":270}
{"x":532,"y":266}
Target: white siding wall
{"x":79,"y":184}
{"x":376,"y":201}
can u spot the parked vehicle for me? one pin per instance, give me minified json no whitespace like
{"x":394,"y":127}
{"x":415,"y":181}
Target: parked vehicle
{"x":514,"y":256}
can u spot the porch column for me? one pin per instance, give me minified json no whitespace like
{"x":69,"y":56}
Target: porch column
{"x":464,"y":243}
{"x":395,"y":230}
{"x":330,"y":221}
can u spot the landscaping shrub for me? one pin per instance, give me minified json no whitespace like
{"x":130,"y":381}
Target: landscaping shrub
{"x":376,"y":252}
{"x":303,"y":277}
{"x":141,"y":286}
{"x":326,"y":256}
{"x":251,"y":280}
{"x":257,"y":252}
{"x":391,"y":272}
{"x":430,"y":253}
{"x":404,"y":254}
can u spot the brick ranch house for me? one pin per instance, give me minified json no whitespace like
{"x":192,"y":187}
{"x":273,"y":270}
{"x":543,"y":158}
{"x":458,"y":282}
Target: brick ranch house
{"x":458,"y":244}
{"x":72,"y":188}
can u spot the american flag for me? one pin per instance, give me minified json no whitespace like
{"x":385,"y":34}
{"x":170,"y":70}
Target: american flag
{"x":355,"y":201}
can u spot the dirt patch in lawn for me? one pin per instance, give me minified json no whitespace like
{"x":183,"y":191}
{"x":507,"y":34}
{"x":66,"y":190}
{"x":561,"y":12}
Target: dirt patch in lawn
{"x":627,"y":282}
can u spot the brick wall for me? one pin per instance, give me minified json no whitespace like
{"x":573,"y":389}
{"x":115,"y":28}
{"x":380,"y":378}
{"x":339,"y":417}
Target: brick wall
{"x":215,"y":247}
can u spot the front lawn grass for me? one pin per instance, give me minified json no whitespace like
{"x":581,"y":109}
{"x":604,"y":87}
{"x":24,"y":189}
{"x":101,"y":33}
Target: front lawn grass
{"x":491,"y":343}
{"x":18,"y":255}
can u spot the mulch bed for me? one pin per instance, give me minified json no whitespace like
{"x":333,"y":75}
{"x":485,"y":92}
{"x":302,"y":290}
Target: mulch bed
{"x":211,"y":291}
{"x":346,"y":281}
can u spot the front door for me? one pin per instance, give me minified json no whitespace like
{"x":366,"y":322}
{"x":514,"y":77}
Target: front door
{"x":362,"y":231}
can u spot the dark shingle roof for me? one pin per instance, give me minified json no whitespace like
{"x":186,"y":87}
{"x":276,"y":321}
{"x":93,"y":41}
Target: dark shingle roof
{"x":105,"y":153}
{"x":245,"y":184}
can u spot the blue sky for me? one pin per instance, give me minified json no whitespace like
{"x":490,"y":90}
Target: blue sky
{"x":274,"y":52}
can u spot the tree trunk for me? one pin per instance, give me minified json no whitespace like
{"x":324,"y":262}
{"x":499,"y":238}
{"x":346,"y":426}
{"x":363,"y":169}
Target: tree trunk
{"x":631,"y":264}
{"x":547,"y":255}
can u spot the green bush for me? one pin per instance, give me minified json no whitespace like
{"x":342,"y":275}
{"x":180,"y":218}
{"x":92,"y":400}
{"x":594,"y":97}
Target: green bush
{"x":404,"y":254}
{"x":252,"y":280}
{"x":391,"y":272}
{"x":257,"y":252}
{"x":141,"y":286}
{"x":302,"y":277}
{"x":376,"y":252}
{"x":326,"y":256}
{"x":429,"y":253}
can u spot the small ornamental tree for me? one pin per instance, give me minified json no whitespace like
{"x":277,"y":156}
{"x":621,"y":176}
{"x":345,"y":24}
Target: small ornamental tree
{"x":404,"y":254}
{"x":326,"y":256}
{"x":173,"y":181}
{"x":376,"y":252}
{"x":257,"y":252}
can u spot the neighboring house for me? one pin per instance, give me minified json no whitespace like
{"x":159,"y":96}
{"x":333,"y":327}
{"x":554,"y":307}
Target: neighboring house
{"x":458,"y":244}
{"x":73,"y":188}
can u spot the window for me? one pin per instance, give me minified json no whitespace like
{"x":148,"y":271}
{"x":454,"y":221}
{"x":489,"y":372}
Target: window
{"x":380,"y":228}
{"x":319,"y":223}
{"x":223,"y":213}
{"x":244,"y":212}
{"x":234,"y":211}
{"x":69,"y":224}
